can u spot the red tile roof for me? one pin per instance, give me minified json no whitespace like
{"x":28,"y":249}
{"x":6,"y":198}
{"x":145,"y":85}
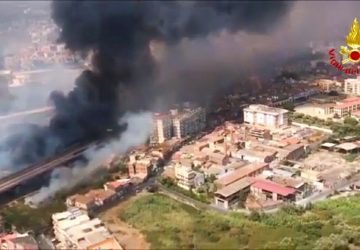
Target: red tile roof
{"x":273,"y":187}
{"x":348,"y":102}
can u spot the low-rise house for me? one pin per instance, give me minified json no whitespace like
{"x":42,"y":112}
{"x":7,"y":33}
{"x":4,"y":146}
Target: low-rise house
{"x":310,"y":175}
{"x":302,"y":188}
{"x":282,"y":172}
{"x":250,"y":170}
{"x":291,"y":152}
{"x":119,"y":186}
{"x":218,"y":158}
{"x":139,"y":169}
{"x":231,"y":195}
{"x":252,"y":155}
{"x":18,"y":241}
{"x":265,"y":190}
{"x":348,"y":147}
{"x":92,"y":200}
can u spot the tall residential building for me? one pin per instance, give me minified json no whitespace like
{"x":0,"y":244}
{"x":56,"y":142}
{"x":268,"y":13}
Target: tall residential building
{"x":352,"y":86}
{"x":162,"y":128}
{"x":188,"y":122}
{"x":185,"y":176}
{"x":266,"y":116}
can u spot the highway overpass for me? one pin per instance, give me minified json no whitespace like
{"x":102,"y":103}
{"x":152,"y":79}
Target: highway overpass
{"x":25,"y":175}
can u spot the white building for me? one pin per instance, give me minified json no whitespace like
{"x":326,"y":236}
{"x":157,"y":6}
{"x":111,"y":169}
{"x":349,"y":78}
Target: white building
{"x":263,"y":115}
{"x":75,"y":230}
{"x":352,"y":86}
{"x":185,"y":176}
{"x":162,"y":128}
{"x":65,"y":220}
{"x":189,"y":122}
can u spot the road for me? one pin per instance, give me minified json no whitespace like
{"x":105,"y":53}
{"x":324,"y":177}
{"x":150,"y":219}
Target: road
{"x":23,"y":114}
{"x":319,"y":196}
{"x":26,"y":174}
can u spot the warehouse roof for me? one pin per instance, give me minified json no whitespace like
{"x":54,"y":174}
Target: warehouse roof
{"x":234,"y":187}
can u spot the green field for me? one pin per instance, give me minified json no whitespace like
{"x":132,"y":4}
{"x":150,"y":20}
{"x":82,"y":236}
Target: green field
{"x":25,"y":218}
{"x":168,"y":224}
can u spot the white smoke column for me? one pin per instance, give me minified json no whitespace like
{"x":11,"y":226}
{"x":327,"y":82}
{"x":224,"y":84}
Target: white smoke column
{"x":138,"y":131}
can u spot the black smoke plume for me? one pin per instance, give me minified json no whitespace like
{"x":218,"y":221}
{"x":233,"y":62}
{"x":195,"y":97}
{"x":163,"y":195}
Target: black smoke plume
{"x":117,"y":34}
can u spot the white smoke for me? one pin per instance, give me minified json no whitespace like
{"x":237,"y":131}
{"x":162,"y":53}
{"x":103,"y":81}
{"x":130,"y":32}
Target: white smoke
{"x":138,"y":131}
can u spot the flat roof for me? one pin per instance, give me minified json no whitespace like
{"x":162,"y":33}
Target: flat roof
{"x":328,"y":145}
{"x":234,"y":187}
{"x":264,"y":108}
{"x":109,"y":243}
{"x":255,"y":153}
{"x":240,"y":173}
{"x":273,"y":187}
{"x":347,"y":146}
{"x":288,"y":181}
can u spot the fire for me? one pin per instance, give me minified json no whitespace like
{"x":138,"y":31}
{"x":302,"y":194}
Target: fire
{"x":353,"y":38}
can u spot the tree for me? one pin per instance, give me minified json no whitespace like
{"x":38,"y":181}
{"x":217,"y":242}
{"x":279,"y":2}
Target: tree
{"x":332,"y":242}
{"x":287,"y":243}
{"x":255,"y":216}
{"x":289,"y":106}
{"x":167,"y":181}
{"x":350,"y":121}
{"x":211,"y":178}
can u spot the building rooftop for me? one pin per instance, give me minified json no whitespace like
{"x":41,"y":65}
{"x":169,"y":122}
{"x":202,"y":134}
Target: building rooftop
{"x":282,"y":173}
{"x":70,"y":218}
{"x":119,"y":183}
{"x":328,"y":145}
{"x":288,"y":181}
{"x":256,"y":153}
{"x":240,"y":173}
{"x":234,"y":187}
{"x":346,"y":103}
{"x":88,"y":233}
{"x":265,"y":109}
{"x":273,"y":187}
{"x":92,"y":195}
{"x":109,"y":243}
{"x":347,"y":146}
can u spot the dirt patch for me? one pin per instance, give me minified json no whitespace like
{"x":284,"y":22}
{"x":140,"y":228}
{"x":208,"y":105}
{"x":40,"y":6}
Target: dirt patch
{"x":128,"y":236}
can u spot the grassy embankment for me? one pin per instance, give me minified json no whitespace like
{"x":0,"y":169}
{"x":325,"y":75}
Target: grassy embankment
{"x":168,"y":224}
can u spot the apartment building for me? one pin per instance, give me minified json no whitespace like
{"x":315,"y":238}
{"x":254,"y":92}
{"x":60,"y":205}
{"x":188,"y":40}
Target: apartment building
{"x":271,"y":117}
{"x":185,"y":176}
{"x":75,"y":230}
{"x":162,"y":128}
{"x":188,"y":122}
{"x":352,"y":86}
{"x":347,"y":106}
{"x":66,"y":220}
